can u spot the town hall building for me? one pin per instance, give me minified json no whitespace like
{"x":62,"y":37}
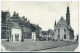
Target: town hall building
{"x":63,"y":29}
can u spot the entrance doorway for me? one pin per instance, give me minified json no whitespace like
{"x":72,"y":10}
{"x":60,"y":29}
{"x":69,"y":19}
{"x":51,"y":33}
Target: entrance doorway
{"x":16,"y":37}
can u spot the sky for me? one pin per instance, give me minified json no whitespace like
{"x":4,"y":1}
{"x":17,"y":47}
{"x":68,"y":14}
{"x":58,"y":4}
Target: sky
{"x":44,"y":13}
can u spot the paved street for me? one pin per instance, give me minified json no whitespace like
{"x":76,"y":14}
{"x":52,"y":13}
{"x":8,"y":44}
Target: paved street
{"x":64,"y":48}
{"x":40,"y":46}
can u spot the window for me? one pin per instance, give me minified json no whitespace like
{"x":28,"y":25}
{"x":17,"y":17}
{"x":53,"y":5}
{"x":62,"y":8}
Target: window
{"x":64,"y":36}
{"x":55,"y":29}
{"x":64,"y":30}
{"x":58,"y":30}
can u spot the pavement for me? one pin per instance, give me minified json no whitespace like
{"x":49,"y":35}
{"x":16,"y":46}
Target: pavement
{"x":73,"y":47}
{"x":63,"y":48}
{"x":39,"y":46}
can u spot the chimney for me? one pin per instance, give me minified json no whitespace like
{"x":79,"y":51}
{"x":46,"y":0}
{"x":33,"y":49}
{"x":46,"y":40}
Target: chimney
{"x":26,"y":19}
{"x":14,"y":13}
{"x":17,"y":14}
{"x":6,"y":10}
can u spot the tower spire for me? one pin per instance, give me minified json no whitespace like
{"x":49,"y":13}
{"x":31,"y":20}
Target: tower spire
{"x":55,"y":22}
{"x":68,"y":16}
{"x":67,"y":10}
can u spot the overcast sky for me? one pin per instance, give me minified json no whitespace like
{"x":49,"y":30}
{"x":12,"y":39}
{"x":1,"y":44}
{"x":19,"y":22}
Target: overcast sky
{"x":44,"y":13}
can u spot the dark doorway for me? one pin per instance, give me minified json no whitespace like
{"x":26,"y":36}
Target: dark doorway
{"x":16,"y":37}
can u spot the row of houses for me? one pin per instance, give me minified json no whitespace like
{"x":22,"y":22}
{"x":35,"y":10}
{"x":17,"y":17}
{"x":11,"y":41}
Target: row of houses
{"x":16,"y":28}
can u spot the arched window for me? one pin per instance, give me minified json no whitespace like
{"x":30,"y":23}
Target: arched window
{"x":64,"y":36}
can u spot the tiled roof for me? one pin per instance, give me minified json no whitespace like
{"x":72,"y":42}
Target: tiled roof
{"x":15,"y":25}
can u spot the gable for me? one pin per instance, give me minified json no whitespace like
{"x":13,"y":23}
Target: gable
{"x":5,"y":15}
{"x":62,"y":22}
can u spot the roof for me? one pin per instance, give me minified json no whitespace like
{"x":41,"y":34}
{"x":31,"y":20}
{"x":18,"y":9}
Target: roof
{"x":62,"y":22}
{"x":14,"y":17}
{"x":69,"y":27}
{"x":34,"y":27}
{"x":21,"y":18}
{"x":26,"y":29}
{"x":15,"y":25}
{"x":45,"y":32}
{"x":51,"y":32}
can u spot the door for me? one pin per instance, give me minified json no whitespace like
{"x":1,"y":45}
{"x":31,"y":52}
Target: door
{"x":16,"y":37}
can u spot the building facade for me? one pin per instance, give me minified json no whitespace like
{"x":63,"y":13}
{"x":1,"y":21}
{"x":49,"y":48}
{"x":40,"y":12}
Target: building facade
{"x":16,"y":32}
{"x":5,"y":25}
{"x":63,"y":29}
{"x":17,"y":28}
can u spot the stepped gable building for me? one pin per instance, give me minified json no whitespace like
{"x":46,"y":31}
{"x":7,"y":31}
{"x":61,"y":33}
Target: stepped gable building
{"x":5,"y":24}
{"x":63,"y":29}
{"x":17,"y":28}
